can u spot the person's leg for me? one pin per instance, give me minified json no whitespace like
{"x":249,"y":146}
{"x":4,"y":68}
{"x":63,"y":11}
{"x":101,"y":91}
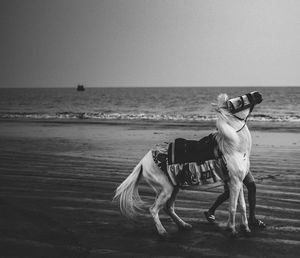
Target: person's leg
{"x":251,"y":187}
{"x":249,"y":182}
{"x":221,"y":198}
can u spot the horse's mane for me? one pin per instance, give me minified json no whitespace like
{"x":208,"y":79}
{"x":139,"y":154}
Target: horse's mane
{"x":226,"y":135}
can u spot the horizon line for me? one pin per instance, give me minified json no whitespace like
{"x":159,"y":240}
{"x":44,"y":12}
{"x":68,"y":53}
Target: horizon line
{"x":176,"y":86}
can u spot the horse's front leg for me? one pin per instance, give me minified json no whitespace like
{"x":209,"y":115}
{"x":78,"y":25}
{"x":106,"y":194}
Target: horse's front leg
{"x":243,"y":211}
{"x":234,"y":186}
{"x":170,"y":210}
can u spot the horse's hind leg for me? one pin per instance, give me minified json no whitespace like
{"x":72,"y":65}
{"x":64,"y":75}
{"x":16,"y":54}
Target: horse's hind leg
{"x":159,"y":203}
{"x":243,"y":211}
{"x":171,"y":211}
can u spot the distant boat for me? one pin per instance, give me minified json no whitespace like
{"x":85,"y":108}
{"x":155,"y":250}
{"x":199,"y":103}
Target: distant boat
{"x":80,"y":87}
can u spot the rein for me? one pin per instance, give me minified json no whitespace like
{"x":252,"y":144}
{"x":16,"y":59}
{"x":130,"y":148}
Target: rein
{"x":241,"y":119}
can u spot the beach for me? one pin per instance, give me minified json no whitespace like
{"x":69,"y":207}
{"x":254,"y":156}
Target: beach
{"x":58,"y":180}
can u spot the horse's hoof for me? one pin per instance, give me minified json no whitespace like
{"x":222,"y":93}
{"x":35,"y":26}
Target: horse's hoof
{"x":185,"y":226}
{"x":232,"y":231}
{"x":228,"y":229}
{"x":245,"y":230}
{"x":233,"y":234}
{"x":164,"y":234}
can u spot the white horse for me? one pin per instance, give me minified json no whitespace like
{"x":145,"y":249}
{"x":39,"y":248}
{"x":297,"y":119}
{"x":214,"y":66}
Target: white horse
{"x":234,"y":140}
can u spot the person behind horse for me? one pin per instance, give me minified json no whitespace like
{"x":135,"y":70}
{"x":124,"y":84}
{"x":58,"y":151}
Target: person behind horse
{"x":249,"y":182}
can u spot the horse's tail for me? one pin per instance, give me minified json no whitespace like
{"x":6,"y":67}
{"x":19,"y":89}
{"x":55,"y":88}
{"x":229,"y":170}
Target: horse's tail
{"x":128,"y":195}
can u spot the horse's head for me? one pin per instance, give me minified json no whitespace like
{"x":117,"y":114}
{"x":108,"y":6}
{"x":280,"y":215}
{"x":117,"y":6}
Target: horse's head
{"x":239,"y":107}
{"x":232,"y":133}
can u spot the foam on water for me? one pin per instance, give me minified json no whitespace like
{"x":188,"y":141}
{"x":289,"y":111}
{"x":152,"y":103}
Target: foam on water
{"x":142,"y":116}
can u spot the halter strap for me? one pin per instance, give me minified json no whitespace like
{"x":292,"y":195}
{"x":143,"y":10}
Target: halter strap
{"x":242,"y":126}
{"x":251,"y":108}
{"x":241,"y":119}
{"x":242,"y":100}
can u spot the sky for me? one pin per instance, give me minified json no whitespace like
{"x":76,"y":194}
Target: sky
{"x":121,"y":43}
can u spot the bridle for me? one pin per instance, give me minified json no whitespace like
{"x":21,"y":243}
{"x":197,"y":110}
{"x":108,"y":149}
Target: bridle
{"x":244,"y":120}
{"x":238,"y":104}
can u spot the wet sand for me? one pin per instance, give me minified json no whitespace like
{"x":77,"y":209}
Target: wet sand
{"x":57,"y":181}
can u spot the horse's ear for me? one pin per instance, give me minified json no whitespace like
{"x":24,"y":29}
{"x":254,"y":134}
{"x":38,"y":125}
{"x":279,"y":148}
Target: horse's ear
{"x":222,"y":100}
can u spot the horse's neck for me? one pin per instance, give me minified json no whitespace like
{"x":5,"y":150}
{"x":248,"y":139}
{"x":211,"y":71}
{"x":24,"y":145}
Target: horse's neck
{"x":245,"y":140}
{"x":233,"y":141}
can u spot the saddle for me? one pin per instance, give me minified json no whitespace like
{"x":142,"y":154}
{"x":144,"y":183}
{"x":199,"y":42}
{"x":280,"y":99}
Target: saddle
{"x":191,"y":162}
{"x":187,"y":151}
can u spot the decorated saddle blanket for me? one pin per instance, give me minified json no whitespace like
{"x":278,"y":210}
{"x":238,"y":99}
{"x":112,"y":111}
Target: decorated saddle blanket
{"x":188,"y":162}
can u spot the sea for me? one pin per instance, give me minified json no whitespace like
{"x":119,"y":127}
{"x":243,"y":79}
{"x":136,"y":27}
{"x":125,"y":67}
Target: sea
{"x":184,"y":104}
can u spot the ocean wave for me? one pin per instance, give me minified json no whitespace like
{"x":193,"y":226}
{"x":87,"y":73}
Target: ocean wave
{"x":278,"y":118}
{"x":142,"y":116}
{"x":107,"y":116}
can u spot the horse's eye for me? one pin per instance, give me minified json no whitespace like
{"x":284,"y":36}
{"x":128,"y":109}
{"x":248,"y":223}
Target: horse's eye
{"x":239,"y":103}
